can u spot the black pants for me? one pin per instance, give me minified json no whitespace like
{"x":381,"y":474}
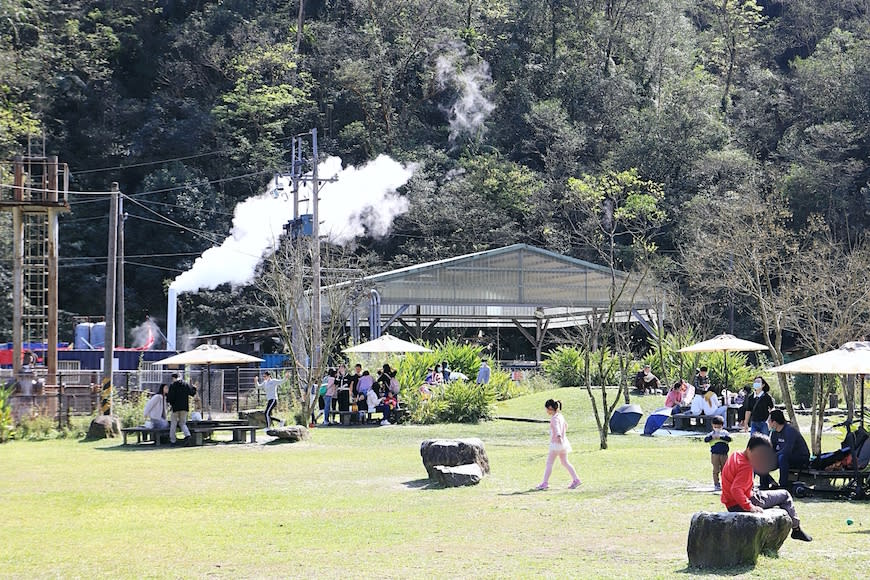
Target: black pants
{"x":270,"y":406}
{"x":385,"y":409}
{"x":784,"y":463}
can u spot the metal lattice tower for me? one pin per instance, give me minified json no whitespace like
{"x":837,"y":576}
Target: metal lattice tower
{"x":36,"y":198}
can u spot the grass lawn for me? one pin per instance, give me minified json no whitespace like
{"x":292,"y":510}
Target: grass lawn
{"x":353,"y":502}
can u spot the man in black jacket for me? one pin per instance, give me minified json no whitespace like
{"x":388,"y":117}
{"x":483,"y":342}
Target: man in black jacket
{"x":179,"y":398}
{"x":790,"y":448}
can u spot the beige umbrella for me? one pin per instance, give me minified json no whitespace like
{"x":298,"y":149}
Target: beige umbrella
{"x":853,"y":358}
{"x":725,"y":343}
{"x":209,"y":354}
{"x":386,"y":344}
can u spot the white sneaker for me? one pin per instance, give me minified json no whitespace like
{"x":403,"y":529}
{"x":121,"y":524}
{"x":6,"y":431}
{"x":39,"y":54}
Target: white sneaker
{"x":385,"y":422}
{"x":281,"y":423}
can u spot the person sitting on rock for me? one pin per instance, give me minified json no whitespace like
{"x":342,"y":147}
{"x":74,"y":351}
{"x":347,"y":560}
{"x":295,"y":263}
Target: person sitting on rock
{"x":738,"y":484}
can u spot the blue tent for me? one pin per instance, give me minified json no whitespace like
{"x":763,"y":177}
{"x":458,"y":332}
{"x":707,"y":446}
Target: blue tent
{"x":656,"y":419}
{"x":625,"y":418}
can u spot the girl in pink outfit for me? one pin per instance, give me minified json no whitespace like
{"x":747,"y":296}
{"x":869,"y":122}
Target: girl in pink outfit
{"x":559,"y":445}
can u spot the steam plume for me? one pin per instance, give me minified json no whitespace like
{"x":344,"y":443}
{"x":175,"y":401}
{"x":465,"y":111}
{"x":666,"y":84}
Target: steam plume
{"x":362,"y":200}
{"x":470,"y":78}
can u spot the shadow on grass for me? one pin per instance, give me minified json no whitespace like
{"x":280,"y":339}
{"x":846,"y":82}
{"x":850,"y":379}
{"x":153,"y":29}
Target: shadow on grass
{"x":737,"y":571}
{"x":424,"y":483}
{"x":523,"y":492}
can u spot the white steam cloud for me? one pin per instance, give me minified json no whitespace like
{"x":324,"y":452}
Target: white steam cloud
{"x":471,"y":79}
{"x":362,"y":200}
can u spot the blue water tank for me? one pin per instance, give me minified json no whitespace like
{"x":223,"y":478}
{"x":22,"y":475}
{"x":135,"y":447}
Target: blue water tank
{"x":98,"y":335}
{"x":83,"y":336}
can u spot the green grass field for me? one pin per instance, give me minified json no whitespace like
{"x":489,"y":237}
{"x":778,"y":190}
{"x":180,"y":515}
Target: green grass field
{"x":354,"y":502}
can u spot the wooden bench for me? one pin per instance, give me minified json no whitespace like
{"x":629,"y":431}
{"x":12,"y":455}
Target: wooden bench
{"x":198,"y":432}
{"x":689,"y":422}
{"x":144,"y":434}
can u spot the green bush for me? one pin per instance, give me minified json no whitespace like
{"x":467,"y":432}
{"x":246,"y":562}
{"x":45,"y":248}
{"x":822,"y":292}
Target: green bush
{"x":740,"y":372}
{"x":36,"y":428}
{"x":6,"y":425}
{"x":505,"y":387}
{"x":467,"y":402}
{"x":677,"y":365}
{"x":77,"y":427}
{"x":411,"y":369}
{"x":565,"y":366}
{"x":456,"y":402}
{"x":130,"y":413}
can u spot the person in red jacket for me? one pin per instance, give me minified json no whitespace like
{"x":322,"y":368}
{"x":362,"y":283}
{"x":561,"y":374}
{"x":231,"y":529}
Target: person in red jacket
{"x":738,"y":484}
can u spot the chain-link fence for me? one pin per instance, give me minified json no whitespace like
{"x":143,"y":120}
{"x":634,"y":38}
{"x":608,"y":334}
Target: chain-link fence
{"x":219,"y":390}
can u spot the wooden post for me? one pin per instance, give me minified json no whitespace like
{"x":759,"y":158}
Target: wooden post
{"x":51,"y":179}
{"x":109,"y":352}
{"x":18,"y":183}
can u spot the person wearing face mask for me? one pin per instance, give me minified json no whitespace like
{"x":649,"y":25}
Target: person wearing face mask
{"x":758,"y":406}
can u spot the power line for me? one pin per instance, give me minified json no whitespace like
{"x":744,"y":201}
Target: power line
{"x":181,"y":187}
{"x":146,"y":163}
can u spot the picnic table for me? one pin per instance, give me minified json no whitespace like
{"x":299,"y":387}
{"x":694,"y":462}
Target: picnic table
{"x":200,"y":431}
{"x":690,"y":422}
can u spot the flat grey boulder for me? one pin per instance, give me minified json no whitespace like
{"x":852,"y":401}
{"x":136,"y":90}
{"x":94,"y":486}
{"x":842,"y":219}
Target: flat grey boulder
{"x":458,"y":476}
{"x":104,"y":427}
{"x":452,"y":453}
{"x":291,"y":434}
{"x":728,"y":540}
{"x":254,"y":417}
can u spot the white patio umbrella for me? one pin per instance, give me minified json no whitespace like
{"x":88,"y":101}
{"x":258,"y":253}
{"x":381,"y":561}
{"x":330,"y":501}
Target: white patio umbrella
{"x":386,"y":344}
{"x":209,"y":354}
{"x":725,"y":343}
{"x":853,"y":358}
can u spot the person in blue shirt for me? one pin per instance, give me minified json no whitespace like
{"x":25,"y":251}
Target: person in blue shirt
{"x":483,"y":374}
{"x":718,"y":439}
{"x":790,"y":448}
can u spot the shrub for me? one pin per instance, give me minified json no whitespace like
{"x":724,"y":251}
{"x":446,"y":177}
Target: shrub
{"x":36,"y":428}
{"x":6,"y":424}
{"x":456,"y":402}
{"x":467,"y":402}
{"x":538,"y":383}
{"x":130,"y":413}
{"x":77,"y":427}
{"x":677,"y":365}
{"x":505,"y":387}
{"x":803,"y":390}
{"x":565,"y":365}
{"x":412,"y":368}
{"x":740,"y":372}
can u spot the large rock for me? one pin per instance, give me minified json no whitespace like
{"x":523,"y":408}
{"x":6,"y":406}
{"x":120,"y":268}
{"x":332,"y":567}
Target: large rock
{"x":453,"y":452}
{"x":727,"y":540}
{"x":254,"y":417}
{"x":291,"y":434}
{"x":104,"y":427}
{"x":459,"y":476}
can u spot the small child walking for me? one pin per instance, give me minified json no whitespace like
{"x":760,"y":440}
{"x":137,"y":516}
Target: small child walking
{"x":559,"y":445}
{"x":718,"y":439}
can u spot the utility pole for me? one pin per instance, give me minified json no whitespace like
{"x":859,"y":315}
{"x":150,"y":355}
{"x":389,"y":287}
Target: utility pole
{"x":111,"y":293}
{"x":299,"y":23}
{"x":316,"y":321}
{"x":120,"y":329}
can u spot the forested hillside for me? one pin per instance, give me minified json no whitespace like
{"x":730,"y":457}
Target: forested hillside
{"x":499,"y":102}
